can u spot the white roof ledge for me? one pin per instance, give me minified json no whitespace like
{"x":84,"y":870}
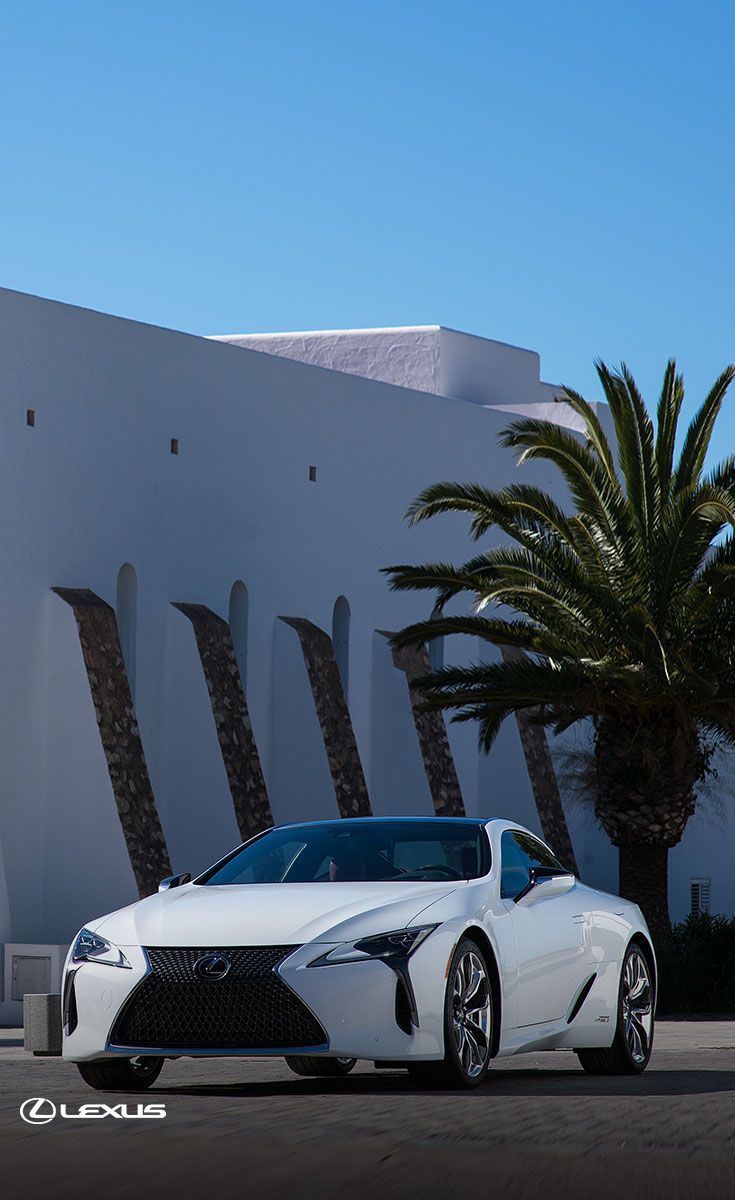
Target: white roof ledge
{"x":425,"y":358}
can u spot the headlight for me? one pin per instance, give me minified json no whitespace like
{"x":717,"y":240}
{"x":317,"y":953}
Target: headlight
{"x":390,"y":947}
{"x":90,"y":947}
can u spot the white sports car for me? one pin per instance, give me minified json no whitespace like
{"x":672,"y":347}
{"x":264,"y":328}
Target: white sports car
{"x":431,"y":944}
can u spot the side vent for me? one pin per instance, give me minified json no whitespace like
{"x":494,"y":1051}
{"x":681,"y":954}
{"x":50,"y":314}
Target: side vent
{"x":581,"y":998}
{"x":403,"y":1008}
{"x":70,"y":1016}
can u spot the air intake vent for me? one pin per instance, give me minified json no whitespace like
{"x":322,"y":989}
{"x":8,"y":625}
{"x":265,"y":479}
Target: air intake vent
{"x":70,"y":1016}
{"x":403,"y":1008}
{"x":581,"y":998}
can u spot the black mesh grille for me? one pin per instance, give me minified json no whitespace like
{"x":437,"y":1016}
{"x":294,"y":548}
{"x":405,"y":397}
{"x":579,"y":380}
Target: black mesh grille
{"x":250,"y":1007}
{"x":176,"y":964}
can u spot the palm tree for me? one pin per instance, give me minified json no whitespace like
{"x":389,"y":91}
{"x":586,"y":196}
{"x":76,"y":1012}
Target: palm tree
{"x":623,"y":602}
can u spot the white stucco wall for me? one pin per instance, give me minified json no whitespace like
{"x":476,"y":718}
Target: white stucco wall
{"x":426,"y":358}
{"x":408,"y":357}
{"x":94,"y":485}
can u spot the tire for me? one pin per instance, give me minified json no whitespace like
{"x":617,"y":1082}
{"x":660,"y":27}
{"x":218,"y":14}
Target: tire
{"x":630,"y":1052}
{"x":330,"y":1068}
{"x":121,"y":1074}
{"x":468,"y":1024}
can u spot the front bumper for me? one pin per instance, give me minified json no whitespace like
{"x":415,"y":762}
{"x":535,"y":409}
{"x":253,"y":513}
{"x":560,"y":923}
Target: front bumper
{"x":353,"y":1003}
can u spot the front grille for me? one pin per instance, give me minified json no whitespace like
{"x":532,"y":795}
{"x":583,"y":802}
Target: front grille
{"x":250,"y":1008}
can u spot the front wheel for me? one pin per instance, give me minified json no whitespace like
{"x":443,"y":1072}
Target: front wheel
{"x":121,"y":1074}
{"x":630,"y":1052}
{"x":330,"y":1068}
{"x":468,"y":1024}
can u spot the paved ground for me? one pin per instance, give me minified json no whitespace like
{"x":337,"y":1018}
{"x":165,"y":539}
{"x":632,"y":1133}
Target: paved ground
{"x":538,"y":1127}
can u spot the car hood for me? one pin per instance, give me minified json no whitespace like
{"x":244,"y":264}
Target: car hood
{"x":270,"y":914}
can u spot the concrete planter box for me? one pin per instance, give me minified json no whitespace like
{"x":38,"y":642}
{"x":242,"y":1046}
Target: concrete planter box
{"x":42,"y":1024}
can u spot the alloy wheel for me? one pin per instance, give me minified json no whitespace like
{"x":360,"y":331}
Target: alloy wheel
{"x":471,"y":1008}
{"x":637,"y":1006}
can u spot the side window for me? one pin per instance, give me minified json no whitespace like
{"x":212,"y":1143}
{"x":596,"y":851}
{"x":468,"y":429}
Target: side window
{"x":518,"y":853}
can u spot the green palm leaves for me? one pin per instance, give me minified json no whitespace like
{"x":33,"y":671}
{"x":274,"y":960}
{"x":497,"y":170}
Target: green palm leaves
{"x":624,"y":601}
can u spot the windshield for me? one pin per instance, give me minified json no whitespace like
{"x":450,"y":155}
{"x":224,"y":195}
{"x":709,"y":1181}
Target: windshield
{"x":350,"y":851}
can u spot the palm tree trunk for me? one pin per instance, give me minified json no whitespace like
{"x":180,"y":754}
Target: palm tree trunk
{"x":647,"y":768}
{"x":644,"y":879}
{"x":542,"y":775}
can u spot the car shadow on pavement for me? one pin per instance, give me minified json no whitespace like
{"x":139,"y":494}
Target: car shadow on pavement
{"x":499,"y":1083}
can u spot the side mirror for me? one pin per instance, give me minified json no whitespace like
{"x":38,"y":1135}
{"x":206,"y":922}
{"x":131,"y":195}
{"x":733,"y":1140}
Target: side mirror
{"x":172,"y":881}
{"x":545,"y":882}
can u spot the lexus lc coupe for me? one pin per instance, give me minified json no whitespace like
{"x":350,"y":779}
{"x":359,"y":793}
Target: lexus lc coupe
{"x":433,"y":945}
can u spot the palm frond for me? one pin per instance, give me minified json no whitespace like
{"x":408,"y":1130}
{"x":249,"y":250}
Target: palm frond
{"x":635,"y":442}
{"x":699,"y":433}
{"x":694,"y":519}
{"x":667,"y":421}
{"x":442,"y":577}
{"x":526,"y":635}
{"x":586,"y":479}
{"x":723,"y":475}
{"x":623,"y":600}
{"x":593,"y":429}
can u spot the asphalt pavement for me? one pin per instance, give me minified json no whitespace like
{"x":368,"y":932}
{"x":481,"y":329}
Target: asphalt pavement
{"x":538,"y":1127}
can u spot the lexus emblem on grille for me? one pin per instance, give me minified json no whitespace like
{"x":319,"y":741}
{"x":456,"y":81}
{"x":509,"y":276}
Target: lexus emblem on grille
{"x":212,"y":966}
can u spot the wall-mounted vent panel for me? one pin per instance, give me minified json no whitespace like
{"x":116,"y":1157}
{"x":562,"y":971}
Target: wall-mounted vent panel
{"x":30,"y":973}
{"x":700,"y":891}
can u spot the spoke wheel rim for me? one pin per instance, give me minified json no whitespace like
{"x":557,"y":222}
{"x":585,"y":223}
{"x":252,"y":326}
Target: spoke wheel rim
{"x":471,"y":1013}
{"x":637,"y":1007}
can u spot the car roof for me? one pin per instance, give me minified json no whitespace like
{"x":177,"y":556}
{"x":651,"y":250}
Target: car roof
{"x":474,"y":821}
{"x":494,"y":826}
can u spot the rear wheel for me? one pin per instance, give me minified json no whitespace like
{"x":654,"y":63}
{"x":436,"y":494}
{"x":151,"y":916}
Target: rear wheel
{"x":121,"y":1074}
{"x":332,"y":1068}
{"x":468,"y":1024}
{"x":630,"y":1052}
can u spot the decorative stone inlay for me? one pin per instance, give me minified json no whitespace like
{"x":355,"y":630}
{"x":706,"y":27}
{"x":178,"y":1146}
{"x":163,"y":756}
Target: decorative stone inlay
{"x":231,"y":719}
{"x":343,"y":755}
{"x":120,"y":736}
{"x":543,"y":777}
{"x":432,"y":734}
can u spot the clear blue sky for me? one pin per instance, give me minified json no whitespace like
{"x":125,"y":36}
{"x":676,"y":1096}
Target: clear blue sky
{"x":558,"y":175}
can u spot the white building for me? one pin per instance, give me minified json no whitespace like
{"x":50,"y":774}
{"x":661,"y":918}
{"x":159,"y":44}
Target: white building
{"x":262,"y":478}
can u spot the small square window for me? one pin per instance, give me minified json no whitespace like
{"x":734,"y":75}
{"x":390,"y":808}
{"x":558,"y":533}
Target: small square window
{"x":174,"y":445}
{"x":312,"y":474}
{"x":31,"y":417}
